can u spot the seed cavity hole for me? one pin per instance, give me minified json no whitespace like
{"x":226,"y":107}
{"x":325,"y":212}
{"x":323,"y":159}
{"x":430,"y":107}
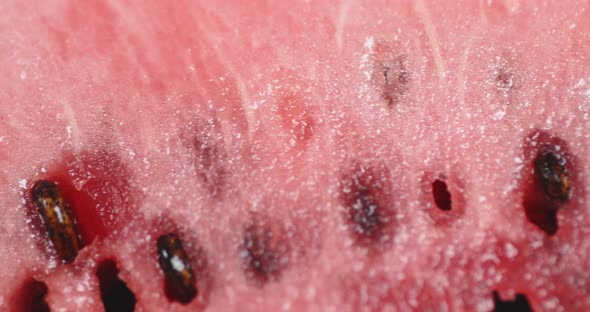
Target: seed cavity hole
{"x":32,"y":297}
{"x":519,"y":304}
{"x":441,"y":195}
{"x":115,"y":294}
{"x":72,"y":202}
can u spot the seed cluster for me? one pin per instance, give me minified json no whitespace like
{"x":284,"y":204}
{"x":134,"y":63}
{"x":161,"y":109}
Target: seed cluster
{"x":364,"y":195}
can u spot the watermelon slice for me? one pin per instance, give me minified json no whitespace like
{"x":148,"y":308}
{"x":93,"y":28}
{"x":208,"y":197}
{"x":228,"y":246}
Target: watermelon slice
{"x":295,"y":156}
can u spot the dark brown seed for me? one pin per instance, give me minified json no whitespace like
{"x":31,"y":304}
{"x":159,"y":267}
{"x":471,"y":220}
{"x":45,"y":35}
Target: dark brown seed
{"x":179,"y":276}
{"x":550,"y":169}
{"x":58,"y":221}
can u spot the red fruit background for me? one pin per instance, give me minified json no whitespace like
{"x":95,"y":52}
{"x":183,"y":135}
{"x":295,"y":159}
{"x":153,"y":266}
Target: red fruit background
{"x":317,"y":127}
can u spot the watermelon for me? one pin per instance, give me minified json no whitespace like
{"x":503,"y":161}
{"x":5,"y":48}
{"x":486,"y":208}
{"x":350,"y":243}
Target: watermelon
{"x":295,"y":156}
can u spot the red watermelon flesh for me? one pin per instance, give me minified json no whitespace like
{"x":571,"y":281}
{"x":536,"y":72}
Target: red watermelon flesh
{"x":378,"y":156}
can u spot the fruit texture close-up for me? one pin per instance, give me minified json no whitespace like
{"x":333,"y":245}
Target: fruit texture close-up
{"x":295,"y":155}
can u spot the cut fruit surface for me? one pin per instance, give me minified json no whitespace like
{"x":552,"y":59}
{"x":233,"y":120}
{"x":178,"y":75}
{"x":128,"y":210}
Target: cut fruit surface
{"x":295,"y":155}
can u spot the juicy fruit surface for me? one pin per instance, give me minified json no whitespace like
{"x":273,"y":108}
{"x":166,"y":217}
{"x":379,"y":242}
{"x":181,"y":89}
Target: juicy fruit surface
{"x":210,"y":119}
